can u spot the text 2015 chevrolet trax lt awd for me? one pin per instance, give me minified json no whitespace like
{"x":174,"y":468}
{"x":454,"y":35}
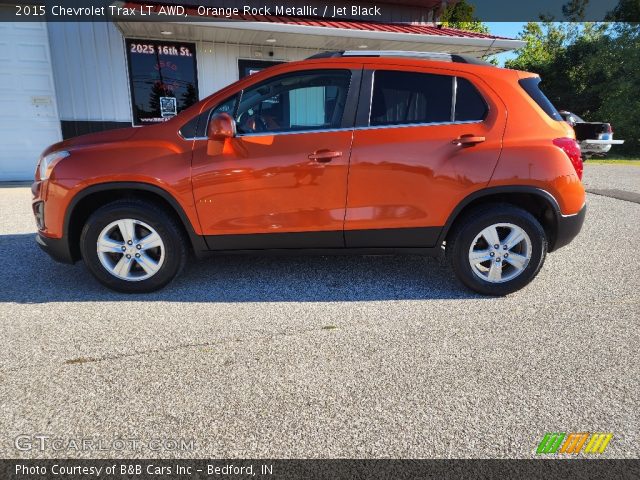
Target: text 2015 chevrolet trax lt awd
{"x":358,"y":152}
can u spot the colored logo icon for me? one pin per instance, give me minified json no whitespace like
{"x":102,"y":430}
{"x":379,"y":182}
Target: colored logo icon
{"x":573,"y":443}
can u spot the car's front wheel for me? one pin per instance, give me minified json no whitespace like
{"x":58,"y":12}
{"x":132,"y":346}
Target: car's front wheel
{"x":497,"y":249}
{"x":133,"y":246}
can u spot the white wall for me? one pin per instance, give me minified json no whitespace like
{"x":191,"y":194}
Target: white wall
{"x":90,"y":71}
{"x":91,"y":75}
{"x":28,"y":115}
{"x":218,"y":62}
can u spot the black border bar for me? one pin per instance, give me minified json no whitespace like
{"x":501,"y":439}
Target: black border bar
{"x":532,"y":469}
{"x":483,"y":10}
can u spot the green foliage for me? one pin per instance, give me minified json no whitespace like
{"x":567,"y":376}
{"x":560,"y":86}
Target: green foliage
{"x":625,"y":11}
{"x":573,"y":11}
{"x":460,"y":15}
{"x":590,"y":69}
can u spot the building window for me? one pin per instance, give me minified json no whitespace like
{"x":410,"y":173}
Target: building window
{"x":249,"y":67}
{"x":164,"y":79}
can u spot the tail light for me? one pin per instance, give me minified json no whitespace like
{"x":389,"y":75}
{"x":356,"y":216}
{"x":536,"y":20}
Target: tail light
{"x":572,"y":149}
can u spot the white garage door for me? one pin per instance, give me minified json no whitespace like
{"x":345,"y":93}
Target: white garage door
{"x":28,"y":113}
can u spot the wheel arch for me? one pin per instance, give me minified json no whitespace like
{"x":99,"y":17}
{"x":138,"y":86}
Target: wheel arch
{"x":537,"y":201}
{"x":89,"y":199}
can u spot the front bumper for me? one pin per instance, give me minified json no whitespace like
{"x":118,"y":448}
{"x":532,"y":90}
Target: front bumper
{"x":568,"y":227}
{"x":57,"y":248}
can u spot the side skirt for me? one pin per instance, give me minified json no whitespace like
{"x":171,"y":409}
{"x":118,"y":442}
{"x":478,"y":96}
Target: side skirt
{"x":427,"y":251}
{"x":391,"y":241}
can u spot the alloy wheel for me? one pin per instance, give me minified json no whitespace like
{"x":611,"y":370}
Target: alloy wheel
{"x":500,"y":253}
{"x":130,"y":250}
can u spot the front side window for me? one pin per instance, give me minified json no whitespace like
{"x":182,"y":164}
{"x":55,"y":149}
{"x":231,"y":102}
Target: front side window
{"x":311,"y":100}
{"x":406,"y":98}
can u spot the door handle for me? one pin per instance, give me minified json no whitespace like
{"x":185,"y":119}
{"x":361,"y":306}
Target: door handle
{"x":324,"y":156}
{"x":468,"y":140}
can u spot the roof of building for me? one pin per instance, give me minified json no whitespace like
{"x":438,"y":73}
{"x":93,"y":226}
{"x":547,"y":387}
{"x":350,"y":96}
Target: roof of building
{"x":403,"y":28}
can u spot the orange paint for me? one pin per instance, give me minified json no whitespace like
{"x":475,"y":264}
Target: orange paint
{"x":391,"y":177}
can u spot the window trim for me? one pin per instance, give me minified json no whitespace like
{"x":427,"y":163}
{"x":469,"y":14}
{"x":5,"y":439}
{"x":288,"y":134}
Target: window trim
{"x":372,"y":127}
{"x":344,"y":129}
{"x":454,"y":97}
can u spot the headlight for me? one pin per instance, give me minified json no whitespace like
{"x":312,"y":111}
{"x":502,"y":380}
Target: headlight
{"x":49,"y":161}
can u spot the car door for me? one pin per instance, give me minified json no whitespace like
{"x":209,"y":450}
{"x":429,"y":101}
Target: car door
{"x":281,"y":182}
{"x":428,"y":138}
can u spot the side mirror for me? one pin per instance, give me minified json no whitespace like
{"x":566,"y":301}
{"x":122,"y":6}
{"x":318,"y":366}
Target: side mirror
{"x":221,"y":127}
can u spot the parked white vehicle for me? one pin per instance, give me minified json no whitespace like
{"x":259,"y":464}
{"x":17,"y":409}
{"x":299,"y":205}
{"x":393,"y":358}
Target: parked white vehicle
{"x":595,"y":138}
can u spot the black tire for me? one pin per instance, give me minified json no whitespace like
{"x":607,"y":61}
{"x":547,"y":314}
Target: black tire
{"x":171,"y":233}
{"x":468,"y":227}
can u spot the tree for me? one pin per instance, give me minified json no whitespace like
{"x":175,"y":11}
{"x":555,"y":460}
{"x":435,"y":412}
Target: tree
{"x":625,"y":11}
{"x":573,"y":11}
{"x":158,"y":90}
{"x":620,"y":62}
{"x":544,"y":42}
{"x":590,"y":69}
{"x":461,"y":15}
{"x":190,"y":96}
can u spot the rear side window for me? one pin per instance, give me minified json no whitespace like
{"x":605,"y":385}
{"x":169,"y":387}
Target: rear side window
{"x":405,"y":98}
{"x":470,"y":106}
{"x":532,"y":87}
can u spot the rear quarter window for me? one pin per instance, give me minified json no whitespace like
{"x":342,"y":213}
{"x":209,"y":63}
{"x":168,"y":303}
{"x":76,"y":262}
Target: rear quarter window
{"x":532,"y":87}
{"x":470,"y":106}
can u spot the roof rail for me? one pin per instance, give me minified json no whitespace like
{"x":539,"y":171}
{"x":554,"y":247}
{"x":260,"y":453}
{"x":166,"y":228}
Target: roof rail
{"x":437,"y":56}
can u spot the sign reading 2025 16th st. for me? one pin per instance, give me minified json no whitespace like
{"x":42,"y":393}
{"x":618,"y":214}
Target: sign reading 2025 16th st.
{"x":164,"y":79}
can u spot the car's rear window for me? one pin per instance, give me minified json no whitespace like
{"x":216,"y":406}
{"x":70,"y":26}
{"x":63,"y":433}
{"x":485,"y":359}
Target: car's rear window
{"x":532,"y":87}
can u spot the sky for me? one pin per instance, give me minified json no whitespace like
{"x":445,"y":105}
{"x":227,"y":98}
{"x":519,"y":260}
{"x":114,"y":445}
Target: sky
{"x":505,"y":29}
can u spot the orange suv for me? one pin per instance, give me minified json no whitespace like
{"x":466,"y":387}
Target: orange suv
{"x":345,"y":152}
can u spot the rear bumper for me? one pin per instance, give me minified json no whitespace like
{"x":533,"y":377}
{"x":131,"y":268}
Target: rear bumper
{"x":568,"y":228}
{"x":57,"y":248}
{"x":590,"y":149}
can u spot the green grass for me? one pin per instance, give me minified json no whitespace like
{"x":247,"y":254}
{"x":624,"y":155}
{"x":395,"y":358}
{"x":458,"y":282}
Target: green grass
{"x":615,"y":160}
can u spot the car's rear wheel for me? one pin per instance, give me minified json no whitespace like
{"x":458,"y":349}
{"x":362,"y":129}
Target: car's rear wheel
{"x":133,"y":246}
{"x":497,"y":249}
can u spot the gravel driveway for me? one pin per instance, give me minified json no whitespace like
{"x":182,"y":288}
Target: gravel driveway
{"x":325,"y":356}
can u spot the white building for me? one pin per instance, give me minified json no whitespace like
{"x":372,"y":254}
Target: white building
{"x":62,"y":79}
